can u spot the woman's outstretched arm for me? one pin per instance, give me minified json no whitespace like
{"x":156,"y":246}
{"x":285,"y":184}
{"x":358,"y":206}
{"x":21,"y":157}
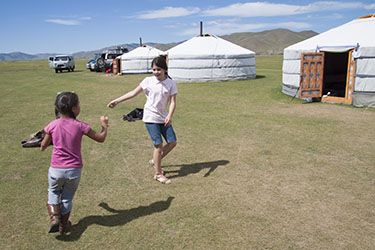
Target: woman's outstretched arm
{"x":125,"y":97}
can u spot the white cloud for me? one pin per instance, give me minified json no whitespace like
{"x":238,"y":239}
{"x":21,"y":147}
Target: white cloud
{"x":330,"y":6}
{"x":168,"y":12}
{"x":370,"y":7}
{"x":225,"y":27}
{"x":335,"y":16}
{"x":179,"y":25}
{"x":292,"y":25}
{"x":63,"y":22}
{"x":85,"y":18}
{"x":327,"y":16}
{"x":254,"y":9}
{"x":75,"y":21}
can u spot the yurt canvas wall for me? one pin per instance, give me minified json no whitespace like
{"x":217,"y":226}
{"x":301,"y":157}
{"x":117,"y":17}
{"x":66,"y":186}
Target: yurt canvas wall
{"x":138,"y":61}
{"x":210,"y":58}
{"x":336,"y":66}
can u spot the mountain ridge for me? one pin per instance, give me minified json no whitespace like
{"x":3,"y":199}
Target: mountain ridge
{"x":268,"y":42}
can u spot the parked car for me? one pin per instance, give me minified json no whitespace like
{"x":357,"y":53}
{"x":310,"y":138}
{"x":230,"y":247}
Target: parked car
{"x":103,"y":61}
{"x":96,"y":64}
{"x":61,"y":62}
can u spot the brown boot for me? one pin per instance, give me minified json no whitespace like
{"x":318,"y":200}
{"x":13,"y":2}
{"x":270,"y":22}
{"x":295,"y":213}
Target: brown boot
{"x":65,"y":224}
{"x":54,"y":215}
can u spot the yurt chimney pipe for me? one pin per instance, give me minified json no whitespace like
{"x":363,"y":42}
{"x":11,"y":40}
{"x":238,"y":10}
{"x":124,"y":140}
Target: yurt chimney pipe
{"x":201,"y":29}
{"x":140,"y":42}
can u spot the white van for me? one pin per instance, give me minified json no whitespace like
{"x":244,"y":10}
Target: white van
{"x":61,"y":62}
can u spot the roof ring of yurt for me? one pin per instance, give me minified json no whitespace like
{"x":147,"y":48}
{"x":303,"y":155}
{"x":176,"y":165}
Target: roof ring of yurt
{"x":207,"y":57}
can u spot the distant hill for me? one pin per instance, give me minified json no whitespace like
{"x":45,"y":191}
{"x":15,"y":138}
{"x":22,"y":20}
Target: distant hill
{"x":92,"y":53}
{"x":269,"y":42}
{"x":16,"y":56}
{"x":164,"y":47}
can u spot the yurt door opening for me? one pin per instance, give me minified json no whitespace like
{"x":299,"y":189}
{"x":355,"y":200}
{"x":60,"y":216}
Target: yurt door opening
{"x":328,"y":76}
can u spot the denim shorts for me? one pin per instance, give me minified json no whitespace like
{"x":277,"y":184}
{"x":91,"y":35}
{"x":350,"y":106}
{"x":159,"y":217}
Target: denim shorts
{"x":63,"y":183}
{"x":156,"y":130}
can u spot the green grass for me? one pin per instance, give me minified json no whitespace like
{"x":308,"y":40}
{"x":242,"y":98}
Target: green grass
{"x":253,"y":168}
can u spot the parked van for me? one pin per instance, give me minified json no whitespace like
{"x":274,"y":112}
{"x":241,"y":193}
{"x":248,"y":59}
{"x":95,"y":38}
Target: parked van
{"x":61,"y":62}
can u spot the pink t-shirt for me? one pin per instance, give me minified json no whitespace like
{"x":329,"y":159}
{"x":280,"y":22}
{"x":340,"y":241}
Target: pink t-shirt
{"x":157,"y":95}
{"x":66,"y":138}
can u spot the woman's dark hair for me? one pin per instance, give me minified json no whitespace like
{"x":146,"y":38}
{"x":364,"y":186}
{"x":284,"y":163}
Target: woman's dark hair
{"x":161,"y":61}
{"x":64,"y":104}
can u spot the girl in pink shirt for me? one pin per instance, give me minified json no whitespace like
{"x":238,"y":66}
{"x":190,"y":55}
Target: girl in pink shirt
{"x":66,"y":161}
{"x":160,"y":90}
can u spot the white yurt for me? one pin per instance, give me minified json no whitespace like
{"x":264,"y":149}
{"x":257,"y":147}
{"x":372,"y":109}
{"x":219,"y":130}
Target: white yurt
{"x":210,"y":58}
{"x":138,"y":61}
{"x":335,"y":66}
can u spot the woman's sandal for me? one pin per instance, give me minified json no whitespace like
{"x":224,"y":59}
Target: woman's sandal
{"x":151,"y":162}
{"x":162,"y":179}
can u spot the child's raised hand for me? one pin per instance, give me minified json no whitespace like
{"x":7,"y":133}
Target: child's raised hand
{"x":112,"y":104}
{"x":104,"y":121}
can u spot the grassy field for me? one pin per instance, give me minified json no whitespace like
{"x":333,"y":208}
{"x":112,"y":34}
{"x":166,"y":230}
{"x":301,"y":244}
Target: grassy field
{"x":253,"y":168}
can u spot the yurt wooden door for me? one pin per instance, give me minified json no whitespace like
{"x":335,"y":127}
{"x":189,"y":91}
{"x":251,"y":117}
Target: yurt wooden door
{"x":311,"y":78}
{"x":323,"y":72}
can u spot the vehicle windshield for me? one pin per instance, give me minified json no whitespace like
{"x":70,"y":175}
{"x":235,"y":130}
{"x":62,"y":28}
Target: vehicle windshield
{"x":112,"y":56}
{"x":63,"y":58}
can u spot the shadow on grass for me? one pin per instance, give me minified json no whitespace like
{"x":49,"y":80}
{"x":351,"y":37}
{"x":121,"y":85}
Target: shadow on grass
{"x":119,"y":218}
{"x":65,"y":71}
{"x":259,"y":77}
{"x":186,"y":169}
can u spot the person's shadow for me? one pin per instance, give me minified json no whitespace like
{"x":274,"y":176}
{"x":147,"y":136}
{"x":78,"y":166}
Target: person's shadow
{"x":119,"y":218}
{"x":186,"y":169}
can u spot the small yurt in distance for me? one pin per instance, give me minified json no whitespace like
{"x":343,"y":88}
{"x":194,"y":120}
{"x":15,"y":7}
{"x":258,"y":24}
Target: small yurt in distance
{"x":210,"y":58}
{"x":335,"y":66}
{"x":138,"y":61}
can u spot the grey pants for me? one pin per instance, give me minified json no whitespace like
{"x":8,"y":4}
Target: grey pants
{"x":62,"y":185}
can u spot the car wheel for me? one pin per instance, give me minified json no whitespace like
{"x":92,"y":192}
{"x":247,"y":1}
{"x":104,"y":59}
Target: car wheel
{"x":60,"y":70}
{"x":56,"y":71}
{"x":73,"y":68}
{"x":100,"y":63}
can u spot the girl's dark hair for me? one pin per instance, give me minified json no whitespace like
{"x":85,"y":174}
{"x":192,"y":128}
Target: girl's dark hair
{"x":161,"y":61}
{"x":64,"y":104}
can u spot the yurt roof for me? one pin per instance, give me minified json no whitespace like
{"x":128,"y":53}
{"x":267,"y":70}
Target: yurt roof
{"x":360,"y":30}
{"x":207,"y":45}
{"x":142,"y":51}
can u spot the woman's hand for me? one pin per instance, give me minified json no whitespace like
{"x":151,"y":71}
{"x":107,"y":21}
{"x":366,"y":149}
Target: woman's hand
{"x":172,"y":107}
{"x":168,"y":121}
{"x":125,"y":97}
{"x":112,"y":104}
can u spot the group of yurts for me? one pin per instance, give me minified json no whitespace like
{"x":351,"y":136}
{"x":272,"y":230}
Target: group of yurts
{"x":335,"y":66}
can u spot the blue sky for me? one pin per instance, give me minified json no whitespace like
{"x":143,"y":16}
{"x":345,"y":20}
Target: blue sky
{"x":70,"y":26}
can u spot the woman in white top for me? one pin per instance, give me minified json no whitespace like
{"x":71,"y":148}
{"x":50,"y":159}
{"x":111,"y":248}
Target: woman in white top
{"x":160,"y":90}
